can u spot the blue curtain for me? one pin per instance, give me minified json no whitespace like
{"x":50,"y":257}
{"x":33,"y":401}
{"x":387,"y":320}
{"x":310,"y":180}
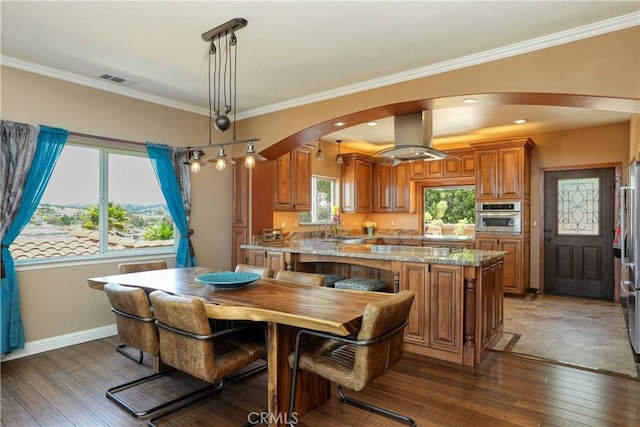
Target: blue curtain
{"x":50,"y":143}
{"x":176,"y":188}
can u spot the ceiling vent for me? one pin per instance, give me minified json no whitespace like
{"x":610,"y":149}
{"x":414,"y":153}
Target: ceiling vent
{"x":413,"y":139}
{"x":116,"y":79}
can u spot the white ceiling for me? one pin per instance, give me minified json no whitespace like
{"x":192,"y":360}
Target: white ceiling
{"x":293,"y":53}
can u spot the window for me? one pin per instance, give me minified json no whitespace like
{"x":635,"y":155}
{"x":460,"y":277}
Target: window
{"x":324,"y":196}
{"x":99,"y":202}
{"x":449,"y":210}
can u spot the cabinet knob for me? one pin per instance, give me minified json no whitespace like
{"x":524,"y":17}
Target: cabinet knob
{"x":548,"y":239}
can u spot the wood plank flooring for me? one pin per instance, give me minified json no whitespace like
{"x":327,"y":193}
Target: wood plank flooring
{"x":66,"y":387}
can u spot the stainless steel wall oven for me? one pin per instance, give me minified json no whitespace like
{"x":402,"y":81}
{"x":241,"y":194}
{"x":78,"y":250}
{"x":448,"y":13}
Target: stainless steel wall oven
{"x":499,"y":217}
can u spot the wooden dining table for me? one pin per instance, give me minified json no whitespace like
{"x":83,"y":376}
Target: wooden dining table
{"x":285,"y":306}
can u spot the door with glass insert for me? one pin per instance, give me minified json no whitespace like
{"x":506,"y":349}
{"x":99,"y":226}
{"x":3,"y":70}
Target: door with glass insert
{"x":578,"y":232}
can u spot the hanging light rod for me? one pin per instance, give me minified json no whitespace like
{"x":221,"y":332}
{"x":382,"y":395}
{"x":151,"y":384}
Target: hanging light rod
{"x":233,"y":25}
{"x":232,"y":142}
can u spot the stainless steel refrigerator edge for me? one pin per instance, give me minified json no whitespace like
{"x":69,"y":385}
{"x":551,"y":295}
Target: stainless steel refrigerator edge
{"x":630,"y":251}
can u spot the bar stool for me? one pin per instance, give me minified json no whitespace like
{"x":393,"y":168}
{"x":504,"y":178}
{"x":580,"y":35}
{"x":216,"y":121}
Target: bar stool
{"x":361,"y":284}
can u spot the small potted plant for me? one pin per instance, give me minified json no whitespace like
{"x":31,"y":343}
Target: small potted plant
{"x":370,"y":226}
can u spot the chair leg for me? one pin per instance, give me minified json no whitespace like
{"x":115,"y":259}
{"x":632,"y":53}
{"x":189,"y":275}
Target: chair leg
{"x":111,"y":394}
{"x":241,"y":376}
{"x":374,"y":408}
{"x":211,"y":389}
{"x":120,"y":350}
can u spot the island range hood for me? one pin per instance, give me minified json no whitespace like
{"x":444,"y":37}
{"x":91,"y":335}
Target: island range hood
{"x":412,"y":139}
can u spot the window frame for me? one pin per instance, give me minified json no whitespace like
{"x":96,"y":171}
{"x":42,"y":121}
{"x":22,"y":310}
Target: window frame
{"x":335,"y":184}
{"x":105,"y":255}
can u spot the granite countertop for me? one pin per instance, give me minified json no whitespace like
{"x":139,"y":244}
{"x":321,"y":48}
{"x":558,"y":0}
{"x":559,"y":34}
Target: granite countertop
{"x":428,"y":255}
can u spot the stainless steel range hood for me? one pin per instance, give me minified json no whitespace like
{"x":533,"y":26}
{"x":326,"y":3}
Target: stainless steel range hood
{"x":412,"y":139}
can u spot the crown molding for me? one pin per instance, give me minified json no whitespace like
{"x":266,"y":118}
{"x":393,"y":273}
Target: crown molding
{"x":579,"y":33}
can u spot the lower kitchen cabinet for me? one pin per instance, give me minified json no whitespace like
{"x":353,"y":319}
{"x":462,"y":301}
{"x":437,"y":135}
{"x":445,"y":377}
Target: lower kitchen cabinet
{"x":516,"y":261}
{"x":435,"y":320}
{"x":492,"y":303}
{"x":272,"y":260}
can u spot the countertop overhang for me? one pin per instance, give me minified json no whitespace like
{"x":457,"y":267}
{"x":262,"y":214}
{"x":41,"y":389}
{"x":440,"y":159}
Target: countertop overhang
{"x":422,"y":254}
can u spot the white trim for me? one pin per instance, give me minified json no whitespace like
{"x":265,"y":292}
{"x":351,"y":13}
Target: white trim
{"x":579,"y":33}
{"x":46,"y":344}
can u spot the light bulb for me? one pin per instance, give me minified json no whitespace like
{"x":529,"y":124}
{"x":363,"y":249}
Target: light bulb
{"x":250,"y":162}
{"x":221,"y":164}
{"x":195,"y":167}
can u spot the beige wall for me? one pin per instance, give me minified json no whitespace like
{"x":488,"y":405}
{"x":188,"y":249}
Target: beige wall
{"x":605,"y":66}
{"x":56,"y":300}
{"x":580,"y":147}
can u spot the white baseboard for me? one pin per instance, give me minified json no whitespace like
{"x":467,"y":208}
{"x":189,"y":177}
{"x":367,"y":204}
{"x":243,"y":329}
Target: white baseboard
{"x":39,"y":346}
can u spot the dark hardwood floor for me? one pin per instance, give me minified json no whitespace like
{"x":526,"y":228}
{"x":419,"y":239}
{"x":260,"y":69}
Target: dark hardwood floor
{"x":66,"y":387}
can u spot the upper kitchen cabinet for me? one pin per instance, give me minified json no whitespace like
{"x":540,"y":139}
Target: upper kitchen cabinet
{"x":460,"y":163}
{"x":357,"y":174}
{"x":391,"y":191}
{"x":503,"y":169}
{"x":293,"y":181}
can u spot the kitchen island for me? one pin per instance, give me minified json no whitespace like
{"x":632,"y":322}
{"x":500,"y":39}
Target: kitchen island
{"x":458,"y":311}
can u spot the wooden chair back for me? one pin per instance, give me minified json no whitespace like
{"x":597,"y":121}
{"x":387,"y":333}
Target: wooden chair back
{"x":300,"y":277}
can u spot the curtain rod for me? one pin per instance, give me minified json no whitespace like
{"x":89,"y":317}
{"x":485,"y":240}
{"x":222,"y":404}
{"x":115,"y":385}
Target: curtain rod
{"x":107,"y":139}
{"x":143,"y":144}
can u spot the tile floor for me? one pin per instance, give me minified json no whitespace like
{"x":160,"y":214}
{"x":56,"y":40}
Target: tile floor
{"x":578,"y":331}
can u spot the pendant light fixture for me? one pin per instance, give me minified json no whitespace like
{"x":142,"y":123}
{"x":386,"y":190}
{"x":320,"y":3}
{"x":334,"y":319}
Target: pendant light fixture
{"x":223,"y":47}
{"x":195,"y":160}
{"x":339,"y":159}
{"x":250,"y":157}
{"x":319,"y":154}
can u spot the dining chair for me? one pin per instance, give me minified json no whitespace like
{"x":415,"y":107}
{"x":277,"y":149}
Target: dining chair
{"x":264,"y":272}
{"x":136,"y":327}
{"x":136,"y":268}
{"x":300,"y":277}
{"x":187,"y":343}
{"x":356,"y":360}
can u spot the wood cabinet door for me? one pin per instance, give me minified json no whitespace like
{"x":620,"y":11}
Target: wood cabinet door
{"x":239,"y":237}
{"x":510,"y":172}
{"x":401,"y":191}
{"x":258,"y":258}
{"x":301,"y":176}
{"x":348,"y":194}
{"x":418,"y":170}
{"x":434,"y":169}
{"x":445,"y":307}
{"x":363,"y":180}
{"x":293,"y":181}
{"x":486,"y":175}
{"x":452,"y":167}
{"x":486,"y":244}
{"x":491,"y":303}
{"x":284,"y":194}
{"x":512,"y":264}
{"x":468,"y":164}
{"x":275,"y":261}
{"x":382,"y":190}
{"x":415,"y":278}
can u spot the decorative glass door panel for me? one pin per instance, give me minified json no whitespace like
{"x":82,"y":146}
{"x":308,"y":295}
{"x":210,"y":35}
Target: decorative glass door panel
{"x":579,"y":207}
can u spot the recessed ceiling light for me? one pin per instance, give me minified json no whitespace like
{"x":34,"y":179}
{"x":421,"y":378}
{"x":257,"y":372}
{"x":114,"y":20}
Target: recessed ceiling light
{"x":520,"y":121}
{"x":339,"y":124}
{"x":373,"y":123}
{"x":470,"y":100}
